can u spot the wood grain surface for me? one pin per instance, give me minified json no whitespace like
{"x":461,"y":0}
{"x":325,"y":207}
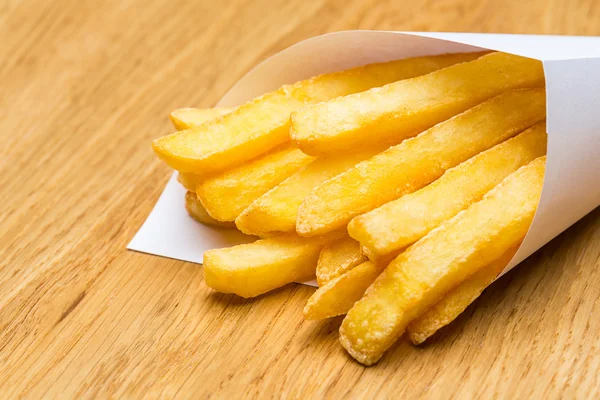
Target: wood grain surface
{"x":85,"y":85}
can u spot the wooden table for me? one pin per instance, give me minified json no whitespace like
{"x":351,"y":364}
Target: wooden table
{"x":86,"y":85}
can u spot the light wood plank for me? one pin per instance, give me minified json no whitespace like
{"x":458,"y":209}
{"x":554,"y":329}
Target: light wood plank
{"x":86,"y":86}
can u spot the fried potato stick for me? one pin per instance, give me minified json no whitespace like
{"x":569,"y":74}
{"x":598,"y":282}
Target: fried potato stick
{"x":196,"y":211}
{"x":418,"y":161}
{"x":187,"y":118}
{"x":227,"y":194}
{"x":263,"y":123}
{"x":338,"y":295}
{"x":402,"y":222}
{"x":394,"y":112}
{"x":456,"y":300}
{"x":419,"y":277}
{"x":249,"y":270}
{"x":277,"y":210}
{"x":338,"y":258}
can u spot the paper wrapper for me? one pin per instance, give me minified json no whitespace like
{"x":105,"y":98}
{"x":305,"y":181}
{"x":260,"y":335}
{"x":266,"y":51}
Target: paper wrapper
{"x":572,"y":181}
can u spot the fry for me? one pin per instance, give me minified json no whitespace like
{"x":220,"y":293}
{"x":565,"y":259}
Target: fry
{"x":378,"y":258}
{"x":392,"y":113}
{"x":337,"y":296}
{"x":402,"y":222}
{"x":419,"y":277}
{"x":338,"y":258}
{"x":416,"y":162}
{"x":456,"y":300}
{"x":263,"y":123}
{"x":189,"y":181}
{"x":276,"y":210}
{"x":196,"y":211}
{"x":227,"y":194}
{"x":186,"y":118}
{"x":249,"y":270}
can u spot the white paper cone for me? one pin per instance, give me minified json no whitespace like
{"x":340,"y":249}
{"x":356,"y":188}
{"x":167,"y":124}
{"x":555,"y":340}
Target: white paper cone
{"x":572,"y":68}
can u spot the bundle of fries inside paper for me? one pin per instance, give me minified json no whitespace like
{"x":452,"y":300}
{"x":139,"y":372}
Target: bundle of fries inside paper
{"x":404,"y":187}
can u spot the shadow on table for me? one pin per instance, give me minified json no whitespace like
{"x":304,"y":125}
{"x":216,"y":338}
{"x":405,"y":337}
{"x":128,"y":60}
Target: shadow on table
{"x":229,"y":299}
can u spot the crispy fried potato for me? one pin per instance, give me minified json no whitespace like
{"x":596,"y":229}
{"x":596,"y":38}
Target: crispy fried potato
{"x":249,"y":270}
{"x":338,"y":295}
{"x":418,"y":161}
{"x":276,"y":210}
{"x":186,"y":118}
{"x":262,"y":124}
{"x":402,"y":222}
{"x":378,"y":258}
{"x":390,"y":114}
{"x":419,"y":277}
{"x":227,"y":194}
{"x":338,"y":258}
{"x":456,"y":300}
{"x":189,"y":181}
{"x":196,"y":211}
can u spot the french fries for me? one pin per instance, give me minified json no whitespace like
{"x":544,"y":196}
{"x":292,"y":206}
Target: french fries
{"x":249,"y":270}
{"x":338,"y":258}
{"x":227,"y":194}
{"x":189,"y":181}
{"x":389,"y":114}
{"x":263,"y":123}
{"x":401,"y":222}
{"x":455,"y":301}
{"x":277,"y":210}
{"x":378,"y":258}
{"x":449,"y":254}
{"x":401,"y":238}
{"x":187,"y":118}
{"x":196,"y":211}
{"x":418,"y":161}
{"x":338,"y":295}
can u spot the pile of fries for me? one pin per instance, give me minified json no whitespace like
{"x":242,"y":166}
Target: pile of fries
{"x":405,"y":187}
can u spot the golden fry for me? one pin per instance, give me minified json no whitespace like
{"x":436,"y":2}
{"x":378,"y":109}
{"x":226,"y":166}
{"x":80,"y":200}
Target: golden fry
{"x":416,"y":162}
{"x":276,"y":210}
{"x":338,"y":258}
{"x":419,"y":277}
{"x":389,"y":114}
{"x":186,"y":118}
{"x":378,"y":258}
{"x":456,"y":300}
{"x":263,"y":123}
{"x":189,"y":181}
{"x":400,"y":238}
{"x":196,"y":211}
{"x":338,"y":295}
{"x":402,"y":222}
{"x":227,"y":194}
{"x":249,"y":270}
